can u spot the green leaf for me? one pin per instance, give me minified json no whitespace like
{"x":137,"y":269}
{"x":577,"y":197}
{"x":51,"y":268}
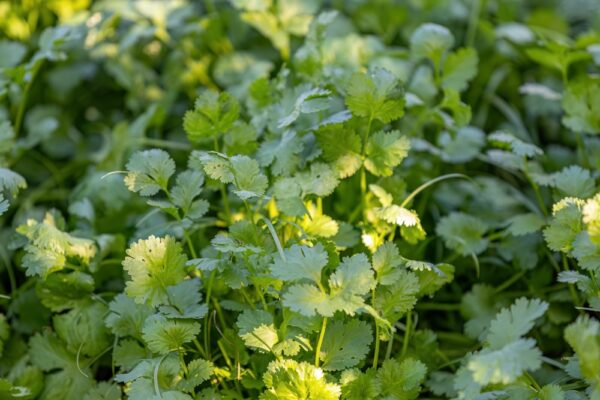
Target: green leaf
{"x":104,"y":391}
{"x":586,"y":252}
{"x":350,"y":282}
{"x":11,"y":182}
{"x":301,"y":262}
{"x":217,"y":166}
{"x":199,"y":371}
{"x":385,"y":150}
{"x":63,"y":379}
{"x":514,"y":322}
{"x":49,"y":249}
{"x":341,"y":147}
{"x":459,"y":68}
{"x":574,"y":181}
{"x":187,"y":187}
{"x":584,"y":337}
{"x":460,"y":111}
{"x":565,"y":225}
{"x":185,"y":301}
{"x":282,"y":155}
{"x":359,"y":386}
{"x":345,"y":344}
{"x":149,"y":171}
{"x":591,"y":218}
{"x":126,"y":317}
{"x":289,"y":379}
{"x":463,"y":233}
{"x":308,"y":300}
{"x":387,"y":262}
{"x":257,"y":330}
{"x":321,"y":180}
{"x":395,"y":300}
{"x":506,"y":364}
{"x":431,"y":41}
{"x":64,"y":290}
{"x":581,"y":103}
{"x":315,"y":223}
{"x":163,"y":335}
{"x":153,"y":264}
{"x":523,"y":224}
{"x":375,"y":95}
{"x":401,"y":380}
{"x":214,"y":113}
{"x":249,"y":180}
{"x":309,"y":101}
{"x":83,"y":330}
{"x":516,"y":145}
{"x":463,"y":145}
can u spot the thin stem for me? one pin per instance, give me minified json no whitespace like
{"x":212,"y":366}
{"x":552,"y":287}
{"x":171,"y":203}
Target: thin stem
{"x":388,"y":351}
{"x":377,"y":344}
{"x":473,"y":21}
{"x":377,"y":333}
{"x":363,"y":171}
{"x":506,"y":284}
{"x":571,"y":288}
{"x":320,"y":342}
{"x":432,"y":182}
{"x":406,"y":334}
{"x":23,"y":103}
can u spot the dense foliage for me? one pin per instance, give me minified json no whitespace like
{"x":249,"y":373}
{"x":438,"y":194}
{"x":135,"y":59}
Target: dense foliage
{"x":299,"y":199}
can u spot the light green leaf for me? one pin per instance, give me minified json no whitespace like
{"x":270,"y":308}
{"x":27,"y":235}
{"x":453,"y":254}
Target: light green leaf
{"x":289,"y":379}
{"x":375,"y":95}
{"x":345,"y":344}
{"x":301,"y":262}
{"x":163,"y":335}
{"x":459,"y":68}
{"x":214,"y":113}
{"x":149,"y":171}
{"x":431,"y":41}
{"x":385,"y":150}
{"x":153,"y":264}
{"x":463,"y":233}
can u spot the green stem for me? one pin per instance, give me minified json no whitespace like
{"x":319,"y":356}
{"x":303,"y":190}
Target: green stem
{"x":506,"y":284}
{"x":406,"y":334}
{"x":438,"y":306}
{"x":473,"y":21}
{"x":320,"y":342}
{"x":388,"y":351}
{"x":23,"y":103}
{"x":431,"y":182}
{"x":377,"y":344}
{"x":571,"y":287}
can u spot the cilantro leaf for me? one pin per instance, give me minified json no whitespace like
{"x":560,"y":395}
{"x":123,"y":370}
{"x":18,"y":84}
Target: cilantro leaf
{"x":431,"y":41}
{"x":385,"y":150}
{"x":581,"y":104}
{"x":301,"y":262}
{"x":401,"y":379}
{"x":149,"y":171}
{"x":163,"y":335}
{"x":459,"y":68}
{"x":257,"y":330}
{"x":214,"y":113}
{"x":153,"y":264}
{"x":297,"y":380}
{"x":49,"y":249}
{"x":375,"y":95}
{"x":345,"y":344}
{"x":463,"y":233}
{"x":341,"y":147}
